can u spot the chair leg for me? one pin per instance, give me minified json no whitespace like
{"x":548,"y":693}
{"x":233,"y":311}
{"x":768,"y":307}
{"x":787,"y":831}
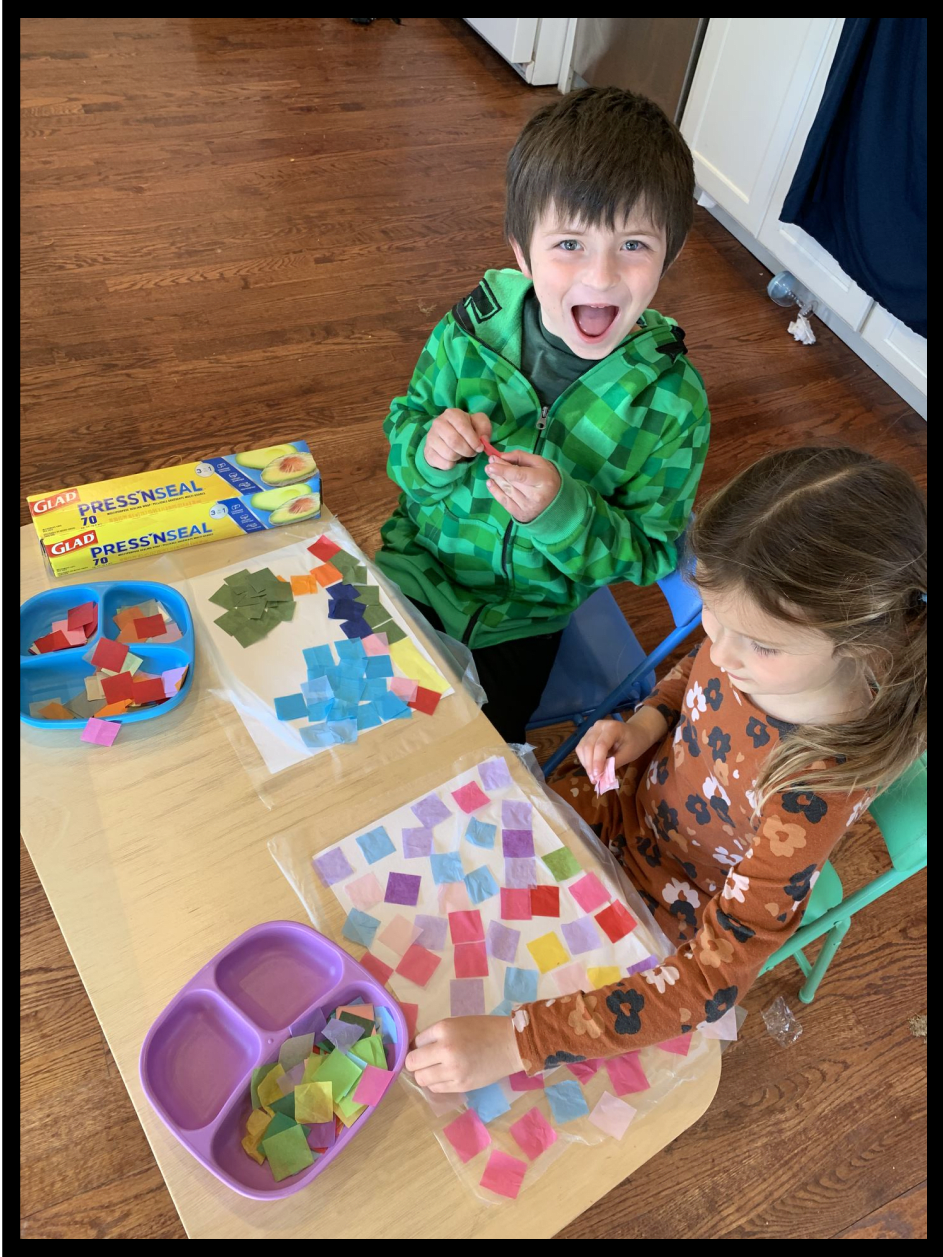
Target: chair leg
{"x":830,"y":946}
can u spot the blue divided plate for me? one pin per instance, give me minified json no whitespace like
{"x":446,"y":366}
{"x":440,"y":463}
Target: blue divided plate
{"x":62,"y":673}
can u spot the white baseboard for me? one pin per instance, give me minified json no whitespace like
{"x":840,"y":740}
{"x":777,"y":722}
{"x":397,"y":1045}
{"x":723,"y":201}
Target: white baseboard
{"x":856,"y":343}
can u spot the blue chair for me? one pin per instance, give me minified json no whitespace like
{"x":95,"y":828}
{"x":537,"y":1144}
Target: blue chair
{"x":601,"y":668}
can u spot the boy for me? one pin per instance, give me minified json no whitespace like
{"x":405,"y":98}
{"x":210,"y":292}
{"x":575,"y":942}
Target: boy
{"x":601,"y":422}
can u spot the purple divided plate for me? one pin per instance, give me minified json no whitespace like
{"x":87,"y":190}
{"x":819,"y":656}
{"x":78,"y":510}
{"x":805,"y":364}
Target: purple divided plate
{"x":233,"y":1016}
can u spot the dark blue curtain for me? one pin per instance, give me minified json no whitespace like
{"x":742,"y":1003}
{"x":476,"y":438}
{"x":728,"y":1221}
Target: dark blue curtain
{"x":861,"y":186}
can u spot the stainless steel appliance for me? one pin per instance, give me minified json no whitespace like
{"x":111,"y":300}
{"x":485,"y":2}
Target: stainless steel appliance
{"x":655,"y":56}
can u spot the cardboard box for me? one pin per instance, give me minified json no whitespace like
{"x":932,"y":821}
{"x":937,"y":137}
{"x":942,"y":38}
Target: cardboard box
{"x":95,"y":525}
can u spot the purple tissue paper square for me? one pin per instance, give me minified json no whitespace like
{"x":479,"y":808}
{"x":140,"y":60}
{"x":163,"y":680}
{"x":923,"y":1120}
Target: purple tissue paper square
{"x":515,"y":814}
{"x":430,"y":810}
{"x":417,"y":842}
{"x":467,"y":997}
{"x":494,"y":774}
{"x":290,"y":1080}
{"x":343,"y":1034}
{"x":518,"y":844}
{"x":502,"y":941}
{"x":640,"y":966}
{"x":434,"y":931}
{"x":312,"y":1023}
{"x":403,"y":888}
{"x":333,"y":866}
{"x":580,"y":935}
{"x":321,"y":1135}
{"x":520,"y":873}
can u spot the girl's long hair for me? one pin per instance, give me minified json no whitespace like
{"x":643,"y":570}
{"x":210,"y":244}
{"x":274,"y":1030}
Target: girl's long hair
{"x":835,"y":540}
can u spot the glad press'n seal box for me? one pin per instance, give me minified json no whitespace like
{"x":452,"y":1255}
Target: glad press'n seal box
{"x":95,"y":525}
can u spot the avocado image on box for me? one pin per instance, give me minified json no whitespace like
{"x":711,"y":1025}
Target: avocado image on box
{"x":289,"y":469}
{"x":270,"y":499}
{"x":292,"y":512}
{"x":257,"y":459}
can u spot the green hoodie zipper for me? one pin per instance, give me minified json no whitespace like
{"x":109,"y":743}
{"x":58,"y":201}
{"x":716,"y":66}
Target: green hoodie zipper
{"x":541,"y":426}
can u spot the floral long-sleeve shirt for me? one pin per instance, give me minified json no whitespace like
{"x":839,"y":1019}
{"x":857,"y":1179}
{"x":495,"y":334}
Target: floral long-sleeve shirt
{"x":728,"y":889}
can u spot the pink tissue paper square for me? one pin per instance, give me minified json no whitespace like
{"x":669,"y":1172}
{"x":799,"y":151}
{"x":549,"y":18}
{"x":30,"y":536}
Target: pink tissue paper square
{"x":533,"y":1134}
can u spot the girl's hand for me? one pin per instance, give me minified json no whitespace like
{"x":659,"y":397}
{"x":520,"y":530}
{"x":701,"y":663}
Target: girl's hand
{"x":463,"y":1053}
{"x":625,"y":741}
{"x":454,"y":435}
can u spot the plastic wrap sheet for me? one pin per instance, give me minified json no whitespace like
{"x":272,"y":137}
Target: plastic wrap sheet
{"x":250,"y":679}
{"x":398,"y":875}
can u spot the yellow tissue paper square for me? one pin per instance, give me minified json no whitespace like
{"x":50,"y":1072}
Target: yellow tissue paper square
{"x":131,"y":663}
{"x":409,"y":661}
{"x":348,"y":1110}
{"x":256,"y":1127}
{"x":93,"y":689}
{"x":605,"y":975}
{"x":269,"y":1090}
{"x":312,"y":1065}
{"x":257,"y":1124}
{"x":314,"y":1102}
{"x":547,"y":951}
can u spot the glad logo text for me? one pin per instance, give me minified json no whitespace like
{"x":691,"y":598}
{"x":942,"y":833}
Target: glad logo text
{"x":55,"y":549}
{"x":66,"y":497}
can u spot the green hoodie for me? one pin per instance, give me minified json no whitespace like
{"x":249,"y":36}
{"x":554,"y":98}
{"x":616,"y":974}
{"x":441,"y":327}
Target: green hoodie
{"x":628,"y":438}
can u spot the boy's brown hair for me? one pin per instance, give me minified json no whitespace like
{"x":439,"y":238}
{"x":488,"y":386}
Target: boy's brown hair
{"x":597,"y":155}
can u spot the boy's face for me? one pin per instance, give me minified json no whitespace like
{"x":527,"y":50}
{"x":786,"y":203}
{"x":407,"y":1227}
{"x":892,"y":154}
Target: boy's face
{"x":593,"y":283}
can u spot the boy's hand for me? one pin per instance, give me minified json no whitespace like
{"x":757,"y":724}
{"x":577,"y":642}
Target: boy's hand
{"x":524,"y":484}
{"x":625,"y":741}
{"x":463,"y":1053}
{"x":454,"y":436}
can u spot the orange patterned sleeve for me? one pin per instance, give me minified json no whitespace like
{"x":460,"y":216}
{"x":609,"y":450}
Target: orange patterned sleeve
{"x":758,"y":906}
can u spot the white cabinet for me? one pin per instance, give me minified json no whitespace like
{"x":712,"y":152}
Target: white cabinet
{"x":511,"y":37}
{"x":751,"y":81}
{"x":754,"y":96}
{"x":898,"y":345}
{"x":534,"y":46}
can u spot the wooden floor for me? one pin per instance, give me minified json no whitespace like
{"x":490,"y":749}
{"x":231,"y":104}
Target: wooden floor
{"x":238,"y":231}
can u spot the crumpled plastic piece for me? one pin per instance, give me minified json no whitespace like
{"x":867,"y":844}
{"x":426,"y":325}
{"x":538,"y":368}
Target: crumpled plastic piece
{"x":782,"y":1022}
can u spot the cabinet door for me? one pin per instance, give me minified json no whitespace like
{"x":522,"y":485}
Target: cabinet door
{"x":752,"y":80}
{"x":512,"y":38}
{"x":797,"y":251}
{"x":898,"y":345}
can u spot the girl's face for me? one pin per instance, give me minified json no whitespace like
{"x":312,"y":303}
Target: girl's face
{"x":762,"y":655}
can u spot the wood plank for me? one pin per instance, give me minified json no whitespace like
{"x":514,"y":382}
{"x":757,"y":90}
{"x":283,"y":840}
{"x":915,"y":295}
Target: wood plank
{"x":903,"y":1219}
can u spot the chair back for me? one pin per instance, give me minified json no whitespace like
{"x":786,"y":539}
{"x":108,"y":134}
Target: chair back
{"x":901,"y":815}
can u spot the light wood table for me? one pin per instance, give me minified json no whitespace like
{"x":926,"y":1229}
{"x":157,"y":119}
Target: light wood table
{"x":153,"y":856}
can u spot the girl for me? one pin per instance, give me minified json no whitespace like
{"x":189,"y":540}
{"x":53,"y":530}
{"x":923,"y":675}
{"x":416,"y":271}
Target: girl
{"x":748,"y":762}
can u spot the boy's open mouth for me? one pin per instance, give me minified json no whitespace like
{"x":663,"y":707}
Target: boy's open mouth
{"x":594,"y":321}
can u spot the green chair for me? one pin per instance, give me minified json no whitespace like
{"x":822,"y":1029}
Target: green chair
{"x":900,"y":813}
